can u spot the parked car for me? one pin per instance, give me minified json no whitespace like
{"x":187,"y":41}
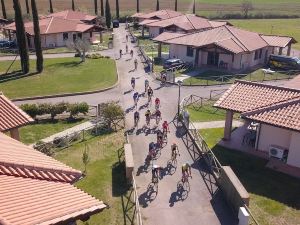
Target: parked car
{"x":7,"y":44}
{"x":284,"y":62}
{"x":115,"y":23}
{"x":170,"y":63}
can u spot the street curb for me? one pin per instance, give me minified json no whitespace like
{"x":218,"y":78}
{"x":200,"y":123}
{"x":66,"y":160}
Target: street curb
{"x":71,"y":94}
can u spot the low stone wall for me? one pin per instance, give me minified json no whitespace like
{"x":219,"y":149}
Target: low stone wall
{"x":128,"y":162}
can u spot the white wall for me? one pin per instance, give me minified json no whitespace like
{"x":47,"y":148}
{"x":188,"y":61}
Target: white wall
{"x":270,"y":135}
{"x":179,"y":51}
{"x":294,"y":150}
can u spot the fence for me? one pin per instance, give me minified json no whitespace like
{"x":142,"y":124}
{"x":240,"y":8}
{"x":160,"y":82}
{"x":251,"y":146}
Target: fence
{"x":201,"y":146}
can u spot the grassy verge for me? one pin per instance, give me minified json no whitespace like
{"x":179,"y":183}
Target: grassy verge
{"x":274,"y":197}
{"x":32,"y":133}
{"x":61,"y":75}
{"x":211,"y":77}
{"x":105,"y":174}
{"x":206,"y":113}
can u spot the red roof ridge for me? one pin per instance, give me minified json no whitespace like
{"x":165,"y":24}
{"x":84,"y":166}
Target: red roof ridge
{"x":49,"y":24}
{"x":227,"y":27}
{"x":190,"y":21}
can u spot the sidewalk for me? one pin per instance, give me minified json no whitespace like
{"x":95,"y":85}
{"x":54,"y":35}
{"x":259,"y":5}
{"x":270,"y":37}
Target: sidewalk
{"x":215,"y":124}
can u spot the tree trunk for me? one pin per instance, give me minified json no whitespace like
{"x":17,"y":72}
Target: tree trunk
{"x":102,"y":7}
{"x":27,"y":7}
{"x":51,"y":7}
{"x":107,"y":14}
{"x":3,"y":9}
{"x":96,"y":6}
{"x":117,"y":9}
{"x":137,"y":6}
{"x":194,"y":7}
{"x":21,"y":37}
{"x":37,"y":38}
{"x":175,"y":5}
{"x":101,"y":37}
{"x":157,"y":5}
{"x":73,"y":5}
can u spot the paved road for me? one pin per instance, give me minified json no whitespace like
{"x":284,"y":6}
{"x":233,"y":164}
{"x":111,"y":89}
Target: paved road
{"x":200,"y":206}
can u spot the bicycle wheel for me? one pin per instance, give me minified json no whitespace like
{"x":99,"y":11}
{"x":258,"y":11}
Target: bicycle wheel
{"x":186,"y":186}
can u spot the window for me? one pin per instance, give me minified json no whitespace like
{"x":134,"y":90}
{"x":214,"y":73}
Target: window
{"x":91,"y":34}
{"x":189,"y":51}
{"x":65,"y":36}
{"x":260,"y":53}
{"x":74,"y":37}
{"x":256,"y":54}
{"x":80,"y":35}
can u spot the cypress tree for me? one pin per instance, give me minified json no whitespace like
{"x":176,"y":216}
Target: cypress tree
{"x":73,"y":5}
{"x":107,"y":14}
{"x":117,"y":9}
{"x":96,"y":6}
{"x":157,"y":5}
{"x":27,"y":6}
{"x":3,"y":9}
{"x":175,"y":5}
{"x":37,"y":37}
{"x":51,"y":7}
{"x":194,"y":7}
{"x":137,"y":6}
{"x":102,"y":7}
{"x":21,"y":37}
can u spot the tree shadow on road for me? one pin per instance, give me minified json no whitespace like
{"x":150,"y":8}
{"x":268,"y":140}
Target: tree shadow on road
{"x":149,"y":195}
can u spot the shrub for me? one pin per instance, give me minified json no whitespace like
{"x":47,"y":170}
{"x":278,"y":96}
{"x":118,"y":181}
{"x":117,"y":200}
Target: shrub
{"x":44,"y":108}
{"x":76,"y":108}
{"x":43,"y":147}
{"x":107,"y":57}
{"x":30,"y":109}
{"x":111,"y":111}
{"x":58,"y":108}
{"x":83,"y":108}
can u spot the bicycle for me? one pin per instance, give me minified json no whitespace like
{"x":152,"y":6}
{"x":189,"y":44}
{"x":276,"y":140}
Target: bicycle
{"x":133,"y":85}
{"x":157,"y":120}
{"x":157,"y":105}
{"x":148,"y":120}
{"x":135,"y":102}
{"x":165,"y":135}
{"x":136,"y":122}
{"x":150,"y":99}
{"x":185,"y":182}
{"x":146,"y":87}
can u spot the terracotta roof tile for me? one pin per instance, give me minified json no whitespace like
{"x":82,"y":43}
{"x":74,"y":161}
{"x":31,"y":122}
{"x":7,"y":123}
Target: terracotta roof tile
{"x":73,"y":15}
{"x":294,"y":83}
{"x":26,"y":201}
{"x":17,"y":159}
{"x":245,"y":96}
{"x":165,"y":36}
{"x":161,"y":14}
{"x":11,"y":116}
{"x":278,"y":41}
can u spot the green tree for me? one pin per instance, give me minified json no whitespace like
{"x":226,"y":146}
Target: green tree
{"x":96,"y":6}
{"x":27,"y":6}
{"x":175,"y":5}
{"x":37,"y":38}
{"x":21,"y":37}
{"x":85,"y":158}
{"x":3,"y":9}
{"x":137,"y":6}
{"x":102,"y":7}
{"x":73,"y":5}
{"x":107,"y":14}
{"x":50,"y":6}
{"x":117,"y":9}
{"x":157,"y":5}
{"x":111,"y":111}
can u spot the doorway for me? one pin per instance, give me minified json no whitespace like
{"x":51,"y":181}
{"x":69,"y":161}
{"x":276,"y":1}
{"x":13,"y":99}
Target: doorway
{"x":213,"y":58}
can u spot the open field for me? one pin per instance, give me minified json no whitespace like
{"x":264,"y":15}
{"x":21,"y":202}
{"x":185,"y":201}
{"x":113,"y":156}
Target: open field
{"x":61,"y":75}
{"x":105,"y":178}
{"x":287,"y":27}
{"x":274,"y":197}
{"x":203,"y":7}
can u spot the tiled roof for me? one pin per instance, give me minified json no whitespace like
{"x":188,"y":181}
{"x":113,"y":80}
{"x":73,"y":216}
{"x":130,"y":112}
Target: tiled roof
{"x":167,"y":36}
{"x":26,"y":201}
{"x":137,"y":15}
{"x":11,"y":116}
{"x":17,"y":159}
{"x":73,"y":15}
{"x":244,"y":96}
{"x":147,"y":21}
{"x":283,"y":114}
{"x":52,"y":25}
{"x":241,"y":40}
{"x":161,"y":14}
{"x":294,"y":83}
{"x":278,"y":41}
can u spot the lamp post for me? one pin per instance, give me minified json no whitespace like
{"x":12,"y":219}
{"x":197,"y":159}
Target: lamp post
{"x":179,"y":82}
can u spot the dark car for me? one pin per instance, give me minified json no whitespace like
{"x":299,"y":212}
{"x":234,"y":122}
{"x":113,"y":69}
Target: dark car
{"x":170,"y":63}
{"x":284,"y":62}
{"x":116,"y":23}
{"x":7,"y":44}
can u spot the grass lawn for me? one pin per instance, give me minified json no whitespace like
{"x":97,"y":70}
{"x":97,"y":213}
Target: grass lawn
{"x":286,"y":27}
{"x":274,"y":197}
{"x":61,"y":75}
{"x":211,"y":77}
{"x":32,"y":133}
{"x":105,"y":178}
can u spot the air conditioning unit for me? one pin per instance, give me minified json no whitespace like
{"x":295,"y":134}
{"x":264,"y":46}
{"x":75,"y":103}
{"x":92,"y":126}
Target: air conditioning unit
{"x":276,"y":151}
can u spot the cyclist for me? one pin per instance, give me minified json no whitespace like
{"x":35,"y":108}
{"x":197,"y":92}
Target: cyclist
{"x":131,"y":53}
{"x":136,"y":118}
{"x":146,"y":85}
{"x":135,"y":64}
{"x":151,"y":149}
{"x":157,"y":103}
{"x":136,"y":98}
{"x":155,"y":173}
{"x":186,"y":171}
{"x":126,"y":37}
{"x":159,"y":138}
{"x":158,"y":116}
{"x":148,"y":115}
{"x":165,"y":127}
{"x":174,"y":151}
{"x":126,"y":49}
{"x":150,"y":93}
{"x":163,"y":78}
{"x":132,"y":83}
{"x":120,"y":53}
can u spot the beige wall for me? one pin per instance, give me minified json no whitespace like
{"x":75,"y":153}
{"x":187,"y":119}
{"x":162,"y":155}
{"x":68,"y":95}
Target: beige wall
{"x":153,"y":32}
{"x":179,"y":51}
{"x":294,"y":150}
{"x":270,"y":135}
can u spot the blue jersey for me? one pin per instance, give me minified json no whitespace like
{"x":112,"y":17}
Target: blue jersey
{"x":135,"y":95}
